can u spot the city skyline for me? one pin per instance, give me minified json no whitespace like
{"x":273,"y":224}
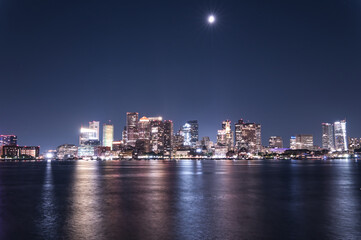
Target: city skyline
{"x":277,"y":63}
{"x":96,"y":129}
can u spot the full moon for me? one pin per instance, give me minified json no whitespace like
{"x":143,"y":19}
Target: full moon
{"x":211,"y":19}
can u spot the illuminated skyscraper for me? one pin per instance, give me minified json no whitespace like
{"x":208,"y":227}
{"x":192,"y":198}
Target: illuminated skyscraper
{"x":156,"y":135}
{"x":186,"y":133}
{"x":328,"y":136}
{"x":144,"y":128}
{"x":108,"y":135}
{"x":248,"y":136}
{"x":95,"y":126}
{"x":132,"y":128}
{"x":178,"y":140}
{"x":225,"y":135}
{"x":193,"y":132}
{"x":88,"y":136}
{"x":340,"y":136}
{"x":143,"y":142}
{"x":275,"y":142}
{"x":168,"y":137}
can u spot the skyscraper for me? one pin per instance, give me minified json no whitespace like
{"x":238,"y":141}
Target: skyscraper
{"x":143,"y":141}
{"x":156,"y":135}
{"x":193,"y":132}
{"x":168,"y":137}
{"x":87,"y":136}
{"x":186,"y":133}
{"x":144,"y":128}
{"x":132,"y":128}
{"x":248,"y":136}
{"x":340,"y":136}
{"x":225,"y":135}
{"x":108,"y":135}
{"x":328,"y":136}
{"x":275,"y":142}
{"x":95,"y":126}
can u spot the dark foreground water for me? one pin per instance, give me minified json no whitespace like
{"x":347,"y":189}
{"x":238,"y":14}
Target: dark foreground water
{"x":181,"y":200}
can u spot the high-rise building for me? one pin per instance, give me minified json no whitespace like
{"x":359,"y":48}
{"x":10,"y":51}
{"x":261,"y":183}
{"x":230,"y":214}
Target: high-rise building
{"x":186,"y":133}
{"x":193,"y":132}
{"x":144,"y":128}
{"x":8,"y":140}
{"x":156,"y":135}
{"x":354,"y":143}
{"x":95,"y":126}
{"x":132,"y":128}
{"x":108,"y":135}
{"x":302,"y":141}
{"x":124,"y":136}
{"x":340,"y":136}
{"x":328,"y":136}
{"x":225,"y":135}
{"x":275,"y":142}
{"x":248,"y":136}
{"x":88,"y":136}
{"x":293,"y":144}
{"x":178,"y":140}
{"x":168,"y":137}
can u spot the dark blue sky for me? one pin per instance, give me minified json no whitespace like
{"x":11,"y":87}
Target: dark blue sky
{"x":289,"y":65}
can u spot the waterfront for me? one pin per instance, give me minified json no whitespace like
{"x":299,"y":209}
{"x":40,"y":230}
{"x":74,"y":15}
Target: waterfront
{"x":258,"y":199}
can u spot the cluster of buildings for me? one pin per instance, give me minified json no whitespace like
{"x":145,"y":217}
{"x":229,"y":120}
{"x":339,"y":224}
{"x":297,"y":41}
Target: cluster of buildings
{"x":153,"y":137}
{"x":9,"y":149}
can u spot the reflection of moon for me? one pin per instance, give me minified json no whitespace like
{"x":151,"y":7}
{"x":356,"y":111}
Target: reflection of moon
{"x":211,"y":19}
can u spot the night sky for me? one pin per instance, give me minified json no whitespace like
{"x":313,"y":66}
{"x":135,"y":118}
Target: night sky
{"x":289,"y":65}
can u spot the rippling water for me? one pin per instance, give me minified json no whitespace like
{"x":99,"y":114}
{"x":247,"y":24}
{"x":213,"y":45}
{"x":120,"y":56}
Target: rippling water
{"x":180,"y":200}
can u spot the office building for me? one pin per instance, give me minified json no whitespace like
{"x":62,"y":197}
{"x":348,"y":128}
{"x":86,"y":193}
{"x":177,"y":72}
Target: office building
{"x":156,"y":135}
{"x":225,"y":136}
{"x":340,"y":136}
{"x":168,"y":137}
{"x":132,"y":128}
{"x":108,"y":135}
{"x":88,"y":136}
{"x":193,"y":132}
{"x":302,"y":141}
{"x":67,"y":151}
{"x":275,"y":142}
{"x":354,"y":143}
{"x":94,"y":125}
{"x":248,"y":136}
{"x":328,"y":136}
{"x":8,"y":140}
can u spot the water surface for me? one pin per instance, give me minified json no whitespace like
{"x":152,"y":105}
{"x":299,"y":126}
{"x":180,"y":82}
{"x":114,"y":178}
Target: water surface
{"x":180,"y":200}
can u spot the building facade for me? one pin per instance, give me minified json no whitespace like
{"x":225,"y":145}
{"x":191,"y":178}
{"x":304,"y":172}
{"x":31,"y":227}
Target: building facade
{"x":275,"y":142}
{"x":340,"y":136}
{"x":108,"y":135}
{"x":132,"y":128}
{"x":328,"y":136}
{"x":248,"y":136}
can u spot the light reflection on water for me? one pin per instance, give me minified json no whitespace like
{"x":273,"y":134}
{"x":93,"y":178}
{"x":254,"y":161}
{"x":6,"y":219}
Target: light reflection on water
{"x":85,"y":215}
{"x":181,"y":200}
